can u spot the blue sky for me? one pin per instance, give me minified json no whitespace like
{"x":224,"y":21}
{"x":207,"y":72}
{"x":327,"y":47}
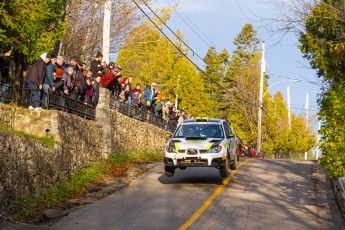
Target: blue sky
{"x":217,"y":22}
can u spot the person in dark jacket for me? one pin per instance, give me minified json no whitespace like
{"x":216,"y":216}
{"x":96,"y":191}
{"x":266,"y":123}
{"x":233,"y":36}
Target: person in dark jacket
{"x":48,"y":83}
{"x":95,"y":94}
{"x":173,"y":118}
{"x":35,"y":77}
{"x":96,"y":65}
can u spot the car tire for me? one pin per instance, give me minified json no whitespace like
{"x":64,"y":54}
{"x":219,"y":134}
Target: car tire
{"x":233,"y":165}
{"x":169,"y":172}
{"x":224,"y":171}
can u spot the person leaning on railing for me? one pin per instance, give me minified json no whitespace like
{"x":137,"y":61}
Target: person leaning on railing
{"x":35,"y":77}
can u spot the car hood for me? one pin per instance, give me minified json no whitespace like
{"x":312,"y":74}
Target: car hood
{"x":183,"y":143}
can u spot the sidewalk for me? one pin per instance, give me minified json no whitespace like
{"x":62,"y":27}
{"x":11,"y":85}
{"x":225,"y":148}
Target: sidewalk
{"x":339,"y":189}
{"x":95,"y":192}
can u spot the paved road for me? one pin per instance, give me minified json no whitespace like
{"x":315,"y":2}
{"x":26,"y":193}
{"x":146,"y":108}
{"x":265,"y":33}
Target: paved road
{"x":263,"y":194}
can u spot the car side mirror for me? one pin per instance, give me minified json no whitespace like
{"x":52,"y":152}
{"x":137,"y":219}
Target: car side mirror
{"x":231,"y":135}
{"x":168,"y":135}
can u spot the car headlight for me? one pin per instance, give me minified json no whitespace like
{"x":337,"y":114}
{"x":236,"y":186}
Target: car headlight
{"x":170,"y":149}
{"x":216,"y":149}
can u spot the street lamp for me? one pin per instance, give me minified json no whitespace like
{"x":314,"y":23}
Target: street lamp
{"x":293,"y":80}
{"x":258,"y":147}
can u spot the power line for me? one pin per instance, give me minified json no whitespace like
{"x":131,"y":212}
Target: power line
{"x":186,"y":56}
{"x":245,"y":15}
{"x":190,"y":27}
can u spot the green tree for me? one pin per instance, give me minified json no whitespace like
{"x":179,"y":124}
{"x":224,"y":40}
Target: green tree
{"x":242,"y":80}
{"x":322,"y":44}
{"x":216,"y":69}
{"x":31,"y":28}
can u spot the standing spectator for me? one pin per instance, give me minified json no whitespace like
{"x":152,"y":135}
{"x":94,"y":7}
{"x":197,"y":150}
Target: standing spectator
{"x":88,"y":88}
{"x":166,"y":111}
{"x":35,"y":77}
{"x":159,"y":108}
{"x":67,"y":78}
{"x":105,"y":68}
{"x":58,"y":82}
{"x":149,"y":97}
{"x":96,"y":85}
{"x":78,"y":82}
{"x":173,"y":117}
{"x":74,"y":62}
{"x":60,"y":62}
{"x":48,"y":83}
{"x":128,"y":90}
{"x":96,"y":67}
{"x":135,"y":95}
{"x":181,"y":118}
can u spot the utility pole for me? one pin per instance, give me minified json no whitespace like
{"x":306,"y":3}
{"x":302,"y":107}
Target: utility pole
{"x":288,"y":105}
{"x":307,"y":111}
{"x":318,"y":141}
{"x":306,"y":120}
{"x":178,"y":83}
{"x":106,"y":30}
{"x":262,"y":74}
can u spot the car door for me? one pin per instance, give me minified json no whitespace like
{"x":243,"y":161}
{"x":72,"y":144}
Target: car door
{"x":231,"y":140}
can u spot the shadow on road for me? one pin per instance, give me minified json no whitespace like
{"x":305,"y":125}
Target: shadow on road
{"x":193,"y":176}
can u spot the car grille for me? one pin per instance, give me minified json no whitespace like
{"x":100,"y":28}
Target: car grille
{"x":200,"y":151}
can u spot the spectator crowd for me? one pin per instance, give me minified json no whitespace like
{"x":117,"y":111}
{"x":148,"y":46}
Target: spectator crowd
{"x":74,"y":80}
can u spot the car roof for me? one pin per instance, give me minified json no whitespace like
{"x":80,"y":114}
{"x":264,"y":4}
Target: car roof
{"x":209,"y":120}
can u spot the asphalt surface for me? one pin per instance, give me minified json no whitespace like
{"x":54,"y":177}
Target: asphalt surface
{"x":263,"y":194}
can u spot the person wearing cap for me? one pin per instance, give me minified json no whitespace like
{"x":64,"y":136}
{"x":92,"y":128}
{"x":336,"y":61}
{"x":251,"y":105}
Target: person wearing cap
{"x":35,"y":77}
{"x":58,"y":83}
{"x":48,"y":82}
{"x":60,"y":62}
{"x":149,"y":97}
{"x":96,"y":66}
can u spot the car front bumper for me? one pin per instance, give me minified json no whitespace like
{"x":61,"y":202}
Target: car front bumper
{"x":198,"y":160}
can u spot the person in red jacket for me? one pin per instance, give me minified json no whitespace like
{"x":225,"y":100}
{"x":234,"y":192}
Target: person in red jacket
{"x":34,"y":79}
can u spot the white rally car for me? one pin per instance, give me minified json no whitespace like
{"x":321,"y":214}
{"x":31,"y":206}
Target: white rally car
{"x":202,"y":142}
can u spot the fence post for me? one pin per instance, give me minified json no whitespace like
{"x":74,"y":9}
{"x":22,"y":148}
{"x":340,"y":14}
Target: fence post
{"x":103,"y":119}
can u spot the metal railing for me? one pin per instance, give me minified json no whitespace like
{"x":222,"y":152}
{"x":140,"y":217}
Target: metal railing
{"x":136,"y":113}
{"x":23,"y":96}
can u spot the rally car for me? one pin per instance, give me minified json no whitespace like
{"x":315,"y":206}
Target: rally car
{"x":202,"y":142}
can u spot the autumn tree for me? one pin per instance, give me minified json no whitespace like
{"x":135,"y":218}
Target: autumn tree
{"x":31,"y":29}
{"x":241,"y":81}
{"x":152,"y":58}
{"x":84,"y":32}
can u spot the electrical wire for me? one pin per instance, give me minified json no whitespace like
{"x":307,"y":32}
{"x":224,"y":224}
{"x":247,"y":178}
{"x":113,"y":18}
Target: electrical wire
{"x":186,"y":56}
{"x":190,"y":27}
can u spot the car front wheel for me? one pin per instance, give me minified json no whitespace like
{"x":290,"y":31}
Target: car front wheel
{"x":169,"y":171}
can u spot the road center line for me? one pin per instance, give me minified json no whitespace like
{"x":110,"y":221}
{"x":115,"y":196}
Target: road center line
{"x":207,"y":203}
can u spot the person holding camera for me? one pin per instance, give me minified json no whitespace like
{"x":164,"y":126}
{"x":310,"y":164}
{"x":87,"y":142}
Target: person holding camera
{"x":89,"y":82}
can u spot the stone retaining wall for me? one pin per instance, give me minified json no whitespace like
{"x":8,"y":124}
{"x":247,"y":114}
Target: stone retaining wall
{"x":28,"y":167}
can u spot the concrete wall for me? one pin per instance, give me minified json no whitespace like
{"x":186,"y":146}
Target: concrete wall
{"x":28,"y":167}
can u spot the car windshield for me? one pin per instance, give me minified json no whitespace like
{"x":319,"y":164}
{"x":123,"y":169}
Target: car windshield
{"x":208,"y":130}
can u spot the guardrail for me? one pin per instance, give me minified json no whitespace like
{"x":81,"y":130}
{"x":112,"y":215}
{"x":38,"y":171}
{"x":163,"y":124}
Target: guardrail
{"x":136,"y":113}
{"x":22,"y":96}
